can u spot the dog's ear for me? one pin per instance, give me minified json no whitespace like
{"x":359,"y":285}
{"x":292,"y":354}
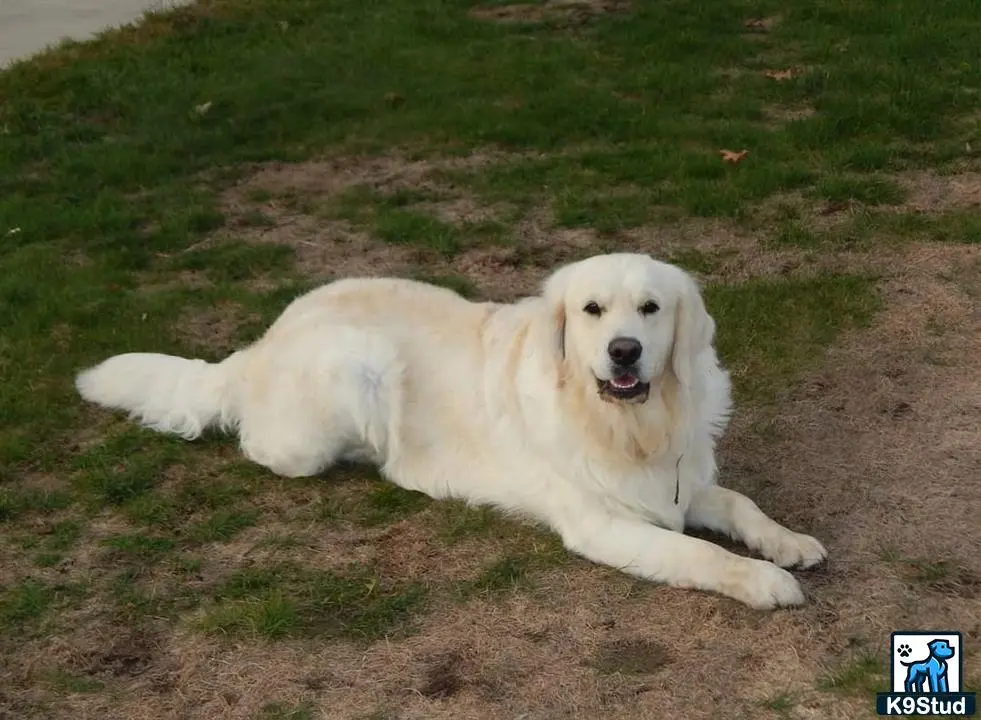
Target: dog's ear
{"x":694,"y":330}
{"x":553,"y":293}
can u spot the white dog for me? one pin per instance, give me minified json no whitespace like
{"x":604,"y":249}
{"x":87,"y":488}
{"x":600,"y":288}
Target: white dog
{"x":593,"y":408}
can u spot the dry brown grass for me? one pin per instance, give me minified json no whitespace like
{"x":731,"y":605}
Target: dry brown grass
{"x":328,"y":247}
{"x":931,"y":192}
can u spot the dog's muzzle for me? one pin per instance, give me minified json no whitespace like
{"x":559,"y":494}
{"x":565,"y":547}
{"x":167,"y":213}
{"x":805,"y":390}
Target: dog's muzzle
{"x":624,"y":386}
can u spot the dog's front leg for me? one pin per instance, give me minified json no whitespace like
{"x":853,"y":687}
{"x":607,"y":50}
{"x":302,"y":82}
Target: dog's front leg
{"x":726,"y":511}
{"x":654,"y":553}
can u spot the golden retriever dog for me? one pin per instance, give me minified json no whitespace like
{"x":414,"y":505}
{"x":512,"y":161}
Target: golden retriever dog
{"x":593,"y":408}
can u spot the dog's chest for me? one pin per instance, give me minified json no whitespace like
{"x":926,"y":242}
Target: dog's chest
{"x":660,"y":493}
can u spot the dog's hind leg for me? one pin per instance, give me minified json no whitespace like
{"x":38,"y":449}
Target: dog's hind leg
{"x":303,"y":410}
{"x":726,"y":511}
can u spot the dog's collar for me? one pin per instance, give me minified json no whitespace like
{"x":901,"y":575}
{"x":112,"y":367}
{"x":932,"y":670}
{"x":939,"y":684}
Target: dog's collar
{"x":677,"y":478}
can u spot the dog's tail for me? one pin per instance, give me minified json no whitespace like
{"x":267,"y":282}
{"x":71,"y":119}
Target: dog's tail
{"x":166,"y":393}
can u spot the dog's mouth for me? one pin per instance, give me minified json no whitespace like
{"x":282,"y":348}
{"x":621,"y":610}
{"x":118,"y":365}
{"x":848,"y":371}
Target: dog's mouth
{"x":625,"y":386}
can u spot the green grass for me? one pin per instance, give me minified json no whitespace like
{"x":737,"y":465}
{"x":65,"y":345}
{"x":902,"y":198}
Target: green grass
{"x":528,"y":555}
{"x":15,"y":502}
{"x":458,"y":521}
{"x":868,"y":190}
{"x":387,"y":503}
{"x":224,"y":525}
{"x":236,"y":261}
{"x":502,"y":576}
{"x":25,"y":604}
{"x":285,"y":601}
{"x":768,"y":331}
{"x":62,"y":681}
{"x":140,"y":549}
{"x":862,"y":676}
{"x":780,"y":703}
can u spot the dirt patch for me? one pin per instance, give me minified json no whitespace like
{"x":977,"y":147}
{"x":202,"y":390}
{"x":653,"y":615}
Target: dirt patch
{"x":463,"y":211}
{"x":631,"y":657}
{"x":442,"y":677}
{"x":930,"y":192}
{"x":212,"y":329}
{"x":327,"y":178}
{"x":125,"y":655}
{"x":564,"y":11}
{"x":291,"y":198}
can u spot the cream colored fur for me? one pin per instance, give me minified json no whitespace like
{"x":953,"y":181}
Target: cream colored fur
{"x":497,"y":404}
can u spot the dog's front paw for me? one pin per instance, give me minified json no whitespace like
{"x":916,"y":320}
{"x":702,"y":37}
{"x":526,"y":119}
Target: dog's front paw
{"x":789,"y":549}
{"x":764,"y":586}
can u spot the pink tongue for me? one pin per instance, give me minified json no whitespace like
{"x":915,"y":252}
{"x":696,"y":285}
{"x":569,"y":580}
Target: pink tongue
{"x":624,"y":381}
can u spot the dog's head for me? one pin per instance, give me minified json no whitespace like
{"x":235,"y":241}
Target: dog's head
{"x":622,"y":321}
{"x":940,"y":649}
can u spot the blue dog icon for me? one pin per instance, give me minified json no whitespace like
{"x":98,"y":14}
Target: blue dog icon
{"x":932,"y":671}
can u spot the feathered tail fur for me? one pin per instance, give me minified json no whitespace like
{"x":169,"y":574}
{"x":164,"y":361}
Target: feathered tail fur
{"x":163,"y":392}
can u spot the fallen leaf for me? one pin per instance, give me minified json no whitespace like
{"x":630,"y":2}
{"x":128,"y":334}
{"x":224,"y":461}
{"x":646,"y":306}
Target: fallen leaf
{"x":202,"y":108}
{"x":779,"y":75}
{"x":733,"y":156}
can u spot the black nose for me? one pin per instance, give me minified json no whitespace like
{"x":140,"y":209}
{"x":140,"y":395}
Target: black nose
{"x":624,"y":350}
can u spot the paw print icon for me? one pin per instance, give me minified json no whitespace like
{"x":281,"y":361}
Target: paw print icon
{"x":904,"y":650}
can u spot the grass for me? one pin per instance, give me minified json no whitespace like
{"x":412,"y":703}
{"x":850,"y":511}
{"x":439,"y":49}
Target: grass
{"x":120,"y":218}
{"x":224,"y":525}
{"x":781,"y":703}
{"x":15,"y":502}
{"x":765,"y":349}
{"x":282,"y":711}
{"x":863,"y":676}
{"x":630,"y":658}
{"x":62,"y":681}
{"x":504,"y":575}
{"x":25,"y":602}
{"x":286,"y":601}
{"x":24,"y":605}
{"x":387,"y":503}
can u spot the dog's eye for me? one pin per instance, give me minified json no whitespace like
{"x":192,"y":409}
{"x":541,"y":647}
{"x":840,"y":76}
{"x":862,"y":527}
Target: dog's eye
{"x":593,"y":309}
{"x":649,"y":308}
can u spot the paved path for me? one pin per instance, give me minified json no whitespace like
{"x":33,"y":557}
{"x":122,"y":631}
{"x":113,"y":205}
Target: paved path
{"x":27,"y":26}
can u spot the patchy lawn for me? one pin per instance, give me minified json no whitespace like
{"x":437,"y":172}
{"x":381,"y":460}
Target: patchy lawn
{"x":172,"y":185}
